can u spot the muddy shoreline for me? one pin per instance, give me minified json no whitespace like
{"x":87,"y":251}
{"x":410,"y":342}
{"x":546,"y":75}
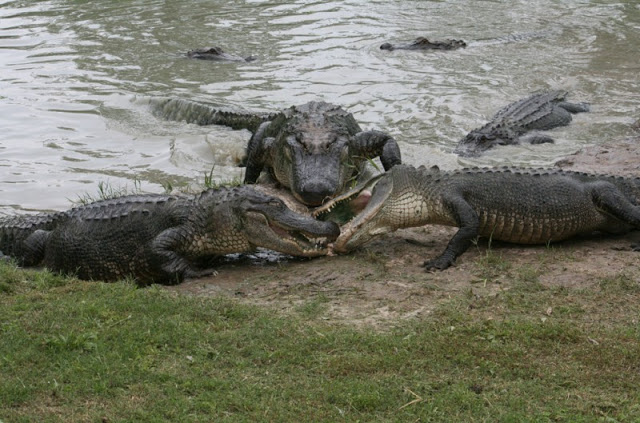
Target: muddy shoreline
{"x":384,"y":281}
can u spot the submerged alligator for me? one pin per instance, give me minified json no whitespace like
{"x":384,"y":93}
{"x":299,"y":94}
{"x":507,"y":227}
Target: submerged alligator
{"x":161,"y":238}
{"x":423,"y":43}
{"x":316,"y":149}
{"x":540,"y":111}
{"x":217,"y":54}
{"x":526,"y":206}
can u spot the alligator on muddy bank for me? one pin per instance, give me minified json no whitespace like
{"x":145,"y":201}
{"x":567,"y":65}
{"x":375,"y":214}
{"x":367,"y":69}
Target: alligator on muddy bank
{"x":525,"y":206}
{"x":316,"y":149}
{"x":540,"y":111}
{"x":161,"y":238}
{"x":217,"y":54}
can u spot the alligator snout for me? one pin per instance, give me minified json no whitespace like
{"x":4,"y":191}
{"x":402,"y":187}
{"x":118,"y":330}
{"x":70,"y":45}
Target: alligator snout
{"x":314,"y":193}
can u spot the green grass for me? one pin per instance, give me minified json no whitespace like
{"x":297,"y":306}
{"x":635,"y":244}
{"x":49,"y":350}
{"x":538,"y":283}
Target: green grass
{"x":82,"y":351}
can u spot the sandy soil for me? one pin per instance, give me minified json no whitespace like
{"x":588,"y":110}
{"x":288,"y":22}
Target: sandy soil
{"x":384,"y":281}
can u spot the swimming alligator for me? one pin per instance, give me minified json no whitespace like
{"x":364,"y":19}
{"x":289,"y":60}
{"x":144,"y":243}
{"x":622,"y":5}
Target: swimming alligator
{"x":525,"y":206}
{"x":540,"y":111}
{"x":423,"y":43}
{"x":161,"y":238}
{"x":316,"y":149}
{"x":217,"y":54}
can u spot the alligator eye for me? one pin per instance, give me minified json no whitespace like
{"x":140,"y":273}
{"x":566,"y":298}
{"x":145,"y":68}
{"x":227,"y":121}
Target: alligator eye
{"x":275,"y":203}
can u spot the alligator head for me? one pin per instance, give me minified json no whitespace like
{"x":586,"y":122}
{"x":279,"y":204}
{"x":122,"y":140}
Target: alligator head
{"x":360,"y":212}
{"x":476,"y":142}
{"x":383,"y":204}
{"x":217,"y":54}
{"x":310,"y":149}
{"x":260,"y":220}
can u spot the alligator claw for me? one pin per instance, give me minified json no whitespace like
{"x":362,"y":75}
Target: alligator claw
{"x":437,"y":264}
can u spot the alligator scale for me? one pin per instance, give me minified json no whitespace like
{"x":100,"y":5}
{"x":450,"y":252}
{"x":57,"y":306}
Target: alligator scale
{"x":525,"y":206}
{"x":161,"y":238}
{"x":316,"y":149}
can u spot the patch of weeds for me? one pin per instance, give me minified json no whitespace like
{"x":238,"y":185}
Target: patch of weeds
{"x":491,"y":265}
{"x":72,"y":342}
{"x":619,"y":283}
{"x":107,"y":191}
{"x":314,"y":307}
{"x":528,"y":274}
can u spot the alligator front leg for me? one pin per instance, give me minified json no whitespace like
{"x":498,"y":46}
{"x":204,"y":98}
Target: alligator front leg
{"x":468,"y":222}
{"x":258,"y":152}
{"x":165,"y":256}
{"x":371,"y":144}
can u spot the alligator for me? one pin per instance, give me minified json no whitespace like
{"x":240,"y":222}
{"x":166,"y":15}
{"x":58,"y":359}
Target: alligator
{"x":217,"y":54}
{"x":540,"y":111}
{"x":519,"y":205}
{"x":316,"y":149}
{"x":157,"y":238}
{"x":423,"y":43}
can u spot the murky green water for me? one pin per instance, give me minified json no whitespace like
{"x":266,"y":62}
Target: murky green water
{"x":77,"y":77}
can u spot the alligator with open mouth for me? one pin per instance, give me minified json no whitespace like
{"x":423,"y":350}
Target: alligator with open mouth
{"x":158,"y":238}
{"x":519,"y":205}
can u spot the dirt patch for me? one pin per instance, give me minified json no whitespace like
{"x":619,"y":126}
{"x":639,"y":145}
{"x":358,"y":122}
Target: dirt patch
{"x":384,"y":282}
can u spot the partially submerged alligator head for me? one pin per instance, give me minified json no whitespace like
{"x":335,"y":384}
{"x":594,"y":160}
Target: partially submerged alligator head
{"x":526,"y":206}
{"x":422,"y":43}
{"x":540,"y":111}
{"x":316,"y":149}
{"x":162,"y":238}
{"x":217,"y":54}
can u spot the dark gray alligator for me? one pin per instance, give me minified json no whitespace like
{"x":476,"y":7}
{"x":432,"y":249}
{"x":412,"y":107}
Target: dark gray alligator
{"x":422,"y":43}
{"x":161,"y":238}
{"x":316,"y":149}
{"x":217,"y":54}
{"x":526,"y":206}
{"x":540,"y":111}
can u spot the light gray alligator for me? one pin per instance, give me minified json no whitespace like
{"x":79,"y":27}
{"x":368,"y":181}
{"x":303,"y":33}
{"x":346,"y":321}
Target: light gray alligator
{"x":316,"y":149}
{"x":217,"y":54}
{"x":161,"y":238}
{"x":540,"y":111}
{"x":525,"y":206}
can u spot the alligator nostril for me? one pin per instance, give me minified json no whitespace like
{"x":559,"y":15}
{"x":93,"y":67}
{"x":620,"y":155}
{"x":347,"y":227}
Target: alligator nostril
{"x":315,"y":193}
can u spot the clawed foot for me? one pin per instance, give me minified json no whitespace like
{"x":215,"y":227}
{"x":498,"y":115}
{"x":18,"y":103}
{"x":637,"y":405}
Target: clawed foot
{"x":635,"y":246}
{"x":437,"y":264}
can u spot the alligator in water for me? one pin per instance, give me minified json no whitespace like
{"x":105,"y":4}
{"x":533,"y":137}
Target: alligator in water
{"x":526,"y":206}
{"x":217,"y":54}
{"x":316,"y":149}
{"x":423,"y":43}
{"x":161,"y":238}
{"x":540,"y":111}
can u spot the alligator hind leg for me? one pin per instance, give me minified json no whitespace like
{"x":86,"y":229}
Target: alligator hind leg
{"x":536,"y":139}
{"x":30,"y":252}
{"x":574,"y":107}
{"x":468,"y":222}
{"x":611,"y":201}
